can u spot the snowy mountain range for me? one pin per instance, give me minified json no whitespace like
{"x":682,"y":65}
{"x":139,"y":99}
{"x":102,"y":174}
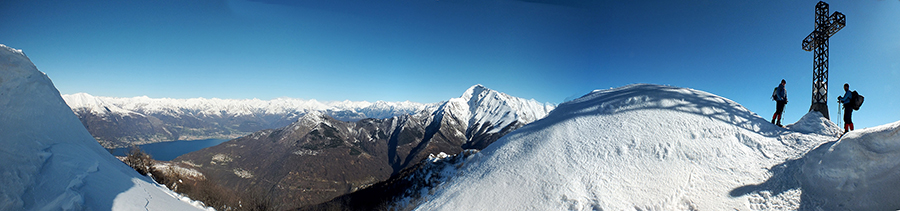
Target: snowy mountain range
{"x":639,"y":147}
{"x":48,"y":161}
{"x":121,"y":122}
{"x":318,"y":157}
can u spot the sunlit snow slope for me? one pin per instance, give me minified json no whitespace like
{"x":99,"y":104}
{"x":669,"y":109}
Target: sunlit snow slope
{"x":48,"y":161}
{"x":859,"y":172}
{"x":641,"y":147}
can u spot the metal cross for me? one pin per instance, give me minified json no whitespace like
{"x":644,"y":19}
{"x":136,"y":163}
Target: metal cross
{"x":817,"y":42}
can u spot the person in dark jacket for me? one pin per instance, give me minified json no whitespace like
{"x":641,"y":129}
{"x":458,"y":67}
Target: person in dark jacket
{"x":848,"y":108}
{"x":780,"y":100}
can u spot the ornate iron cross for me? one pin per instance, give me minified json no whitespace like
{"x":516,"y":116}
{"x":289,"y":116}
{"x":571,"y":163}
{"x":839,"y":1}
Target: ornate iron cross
{"x":817,"y":42}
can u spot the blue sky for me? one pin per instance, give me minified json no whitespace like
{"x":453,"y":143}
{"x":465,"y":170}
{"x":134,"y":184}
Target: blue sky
{"x":428,"y":51}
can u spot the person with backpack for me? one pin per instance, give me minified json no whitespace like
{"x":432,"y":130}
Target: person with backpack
{"x":847,"y":100}
{"x":780,"y":97}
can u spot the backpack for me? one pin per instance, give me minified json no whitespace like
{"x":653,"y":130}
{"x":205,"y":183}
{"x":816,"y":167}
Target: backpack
{"x":856,"y":100}
{"x":773,"y":93}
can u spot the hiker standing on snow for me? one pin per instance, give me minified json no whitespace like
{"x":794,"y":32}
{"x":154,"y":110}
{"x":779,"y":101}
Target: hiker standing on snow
{"x":848,"y":107}
{"x":780,"y":97}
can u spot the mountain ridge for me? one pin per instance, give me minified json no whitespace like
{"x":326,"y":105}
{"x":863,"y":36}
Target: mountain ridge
{"x":121,"y":122}
{"x":317,"y":157}
{"x":218,"y":106}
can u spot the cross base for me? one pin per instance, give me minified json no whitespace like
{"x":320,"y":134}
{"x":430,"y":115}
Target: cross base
{"x":821,"y":108}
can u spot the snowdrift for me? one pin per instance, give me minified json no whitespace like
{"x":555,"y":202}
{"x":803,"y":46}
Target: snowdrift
{"x":48,"y":161}
{"x":859,"y":172}
{"x":640,"y":147}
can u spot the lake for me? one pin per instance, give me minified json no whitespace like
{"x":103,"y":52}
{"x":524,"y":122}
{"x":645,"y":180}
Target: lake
{"x":166,"y":151}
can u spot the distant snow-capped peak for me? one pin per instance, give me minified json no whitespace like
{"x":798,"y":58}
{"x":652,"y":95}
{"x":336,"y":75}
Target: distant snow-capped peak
{"x":480,"y":105}
{"x":94,"y":104}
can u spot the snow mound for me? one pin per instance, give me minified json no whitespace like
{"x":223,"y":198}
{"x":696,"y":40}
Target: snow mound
{"x":50,"y":162}
{"x":861,"y":171}
{"x":639,"y":147}
{"x":814,"y":122}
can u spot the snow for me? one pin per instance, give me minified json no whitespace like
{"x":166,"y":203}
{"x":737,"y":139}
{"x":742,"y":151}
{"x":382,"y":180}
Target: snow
{"x":653,"y":147}
{"x":233,"y":107}
{"x":638,"y":147}
{"x":175,"y":169}
{"x":95,"y":105}
{"x":434,"y":170}
{"x":859,"y":172}
{"x":813,"y":122}
{"x":48,"y":161}
{"x":482,"y":106}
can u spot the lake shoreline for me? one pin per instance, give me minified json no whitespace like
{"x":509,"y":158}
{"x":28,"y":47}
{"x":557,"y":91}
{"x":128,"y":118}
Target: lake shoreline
{"x":166,"y":151}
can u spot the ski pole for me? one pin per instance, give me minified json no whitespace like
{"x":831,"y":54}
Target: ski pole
{"x":781,"y":115}
{"x":840,"y":121}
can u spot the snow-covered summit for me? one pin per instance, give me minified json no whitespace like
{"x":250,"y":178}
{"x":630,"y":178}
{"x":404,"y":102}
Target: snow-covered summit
{"x":814,"y":122}
{"x":312,"y":119}
{"x":48,"y":161}
{"x":638,"y":147}
{"x":486,"y":105}
{"x":485,"y":111}
{"x":94,"y":105}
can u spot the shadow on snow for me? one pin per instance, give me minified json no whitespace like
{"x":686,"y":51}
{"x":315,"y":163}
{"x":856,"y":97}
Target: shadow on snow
{"x":785,"y":176}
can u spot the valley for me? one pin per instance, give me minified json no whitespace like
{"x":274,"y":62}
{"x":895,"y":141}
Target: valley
{"x":123,"y":122}
{"x":318,"y":157}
